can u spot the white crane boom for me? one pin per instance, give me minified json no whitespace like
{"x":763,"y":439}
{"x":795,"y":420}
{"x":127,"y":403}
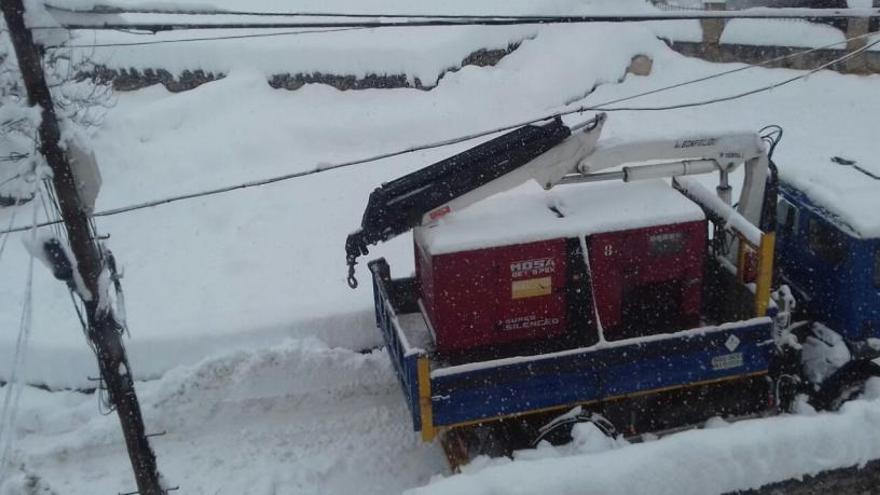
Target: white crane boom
{"x":553,"y":154}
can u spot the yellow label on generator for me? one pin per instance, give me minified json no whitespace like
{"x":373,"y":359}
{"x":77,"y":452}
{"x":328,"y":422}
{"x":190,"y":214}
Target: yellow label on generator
{"x":532,"y":287}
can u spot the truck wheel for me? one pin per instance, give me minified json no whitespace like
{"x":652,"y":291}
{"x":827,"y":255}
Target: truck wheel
{"x":844,"y":384}
{"x":558,"y":431}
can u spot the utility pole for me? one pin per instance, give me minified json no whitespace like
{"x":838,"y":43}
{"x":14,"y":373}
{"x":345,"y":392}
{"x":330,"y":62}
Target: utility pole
{"x":102,"y":326}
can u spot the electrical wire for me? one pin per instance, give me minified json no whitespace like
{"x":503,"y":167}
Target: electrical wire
{"x":104,"y":9}
{"x":771,"y":135}
{"x":319,"y":31}
{"x":7,"y":181}
{"x":206,"y":38}
{"x":429,"y":21}
{"x":4,"y":236}
{"x":751,"y":13}
{"x":14,"y":157}
{"x":744,"y":94}
{"x":104,"y":405}
{"x":58,"y":231}
{"x":100,"y":9}
{"x":447,"y":142}
{"x":716,"y":75}
{"x":14,"y":385}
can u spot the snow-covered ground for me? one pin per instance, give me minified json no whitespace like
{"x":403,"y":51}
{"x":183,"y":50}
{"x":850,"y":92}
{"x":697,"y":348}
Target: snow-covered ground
{"x":251,"y":267}
{"x":302,"y":418}
{"x":721,"y":458}
{"x":265,"y":263}
{"x":251,"y":284}
{"x":297,"y":417}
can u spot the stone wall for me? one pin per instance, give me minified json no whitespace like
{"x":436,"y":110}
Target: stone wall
{"x":712,"y":49}
{"x":864,"y":63}
{"x":132,"y":79}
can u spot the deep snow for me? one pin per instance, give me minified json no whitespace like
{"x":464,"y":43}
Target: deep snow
{"x":301,"y":417}
{"x":225,"y":280}
{"x":720,"y":458}
{"x":187,"y":265}
{"x":253,"y":268}
{"x":297,"y":417}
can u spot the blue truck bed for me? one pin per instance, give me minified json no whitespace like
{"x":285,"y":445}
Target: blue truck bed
{"x":442,"y":396}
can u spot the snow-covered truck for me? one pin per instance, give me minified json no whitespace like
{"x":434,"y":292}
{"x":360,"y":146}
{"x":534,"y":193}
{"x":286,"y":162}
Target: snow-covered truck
{"x":829,"y":245}
{"x":636,"y":302}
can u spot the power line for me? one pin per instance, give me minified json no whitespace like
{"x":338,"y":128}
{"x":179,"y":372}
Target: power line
{"x":751,"y":13}
{"x":12,"y":396}
{"x":746,"y":93}
{"x":4,"y":236}
{"x":7,"y":181}
{"x":429,"y":21}
{"x":111,"y":9}
{"x":206,"y":38}
{"x":447,"y":142}
{"x":716,"y":75}
{"x":319,"y":31}
{"x":13,"y":157}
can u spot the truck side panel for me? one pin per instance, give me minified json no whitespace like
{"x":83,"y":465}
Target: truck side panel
{"x":592,"y":374}
{"x":403,"y":358}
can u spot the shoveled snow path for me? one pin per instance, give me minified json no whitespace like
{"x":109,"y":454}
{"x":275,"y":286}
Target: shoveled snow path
{"x":297,"y":418}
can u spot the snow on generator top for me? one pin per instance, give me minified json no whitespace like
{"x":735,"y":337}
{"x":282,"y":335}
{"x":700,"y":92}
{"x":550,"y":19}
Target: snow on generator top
{"x":523,"y":216}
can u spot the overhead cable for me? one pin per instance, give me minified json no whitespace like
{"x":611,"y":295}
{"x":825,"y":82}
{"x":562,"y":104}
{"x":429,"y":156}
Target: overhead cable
{"x":205,"y":38}
{"x":762,"y":89}
{"x":12,"y":394}
{"x":4,"y":236}
{"x":447,"y":142}
{"x":427,"y":21}
{"x":105,"y":9}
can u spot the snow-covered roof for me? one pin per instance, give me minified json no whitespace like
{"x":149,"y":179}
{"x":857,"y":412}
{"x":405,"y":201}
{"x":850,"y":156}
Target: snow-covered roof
{"x":850,"y":195}
{"x":525,"y":215}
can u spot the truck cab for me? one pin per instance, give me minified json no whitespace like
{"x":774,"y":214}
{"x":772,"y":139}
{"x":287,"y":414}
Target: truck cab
{"x":831,"y":263}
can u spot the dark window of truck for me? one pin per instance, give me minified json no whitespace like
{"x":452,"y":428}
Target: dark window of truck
{"x":787,"y":216}
{"x":826,"y":242}
{"x":877,"y":268}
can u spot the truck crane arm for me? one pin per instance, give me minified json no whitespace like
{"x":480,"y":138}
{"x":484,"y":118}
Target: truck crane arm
{"x":552,"y":153}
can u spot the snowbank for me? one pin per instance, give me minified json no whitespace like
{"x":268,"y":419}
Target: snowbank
{"x":297,"y":417}
{"x":720,"y":459}
{"x":303,"y":417}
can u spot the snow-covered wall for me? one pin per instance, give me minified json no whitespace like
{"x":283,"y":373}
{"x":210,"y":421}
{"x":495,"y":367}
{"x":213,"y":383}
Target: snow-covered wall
{"x":353,"y":55}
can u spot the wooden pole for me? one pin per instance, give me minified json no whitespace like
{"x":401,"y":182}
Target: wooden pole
{"x":103,"y":329}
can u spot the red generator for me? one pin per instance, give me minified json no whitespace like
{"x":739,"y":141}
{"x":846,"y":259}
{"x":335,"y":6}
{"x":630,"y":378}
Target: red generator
{"x":526,"y":272}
